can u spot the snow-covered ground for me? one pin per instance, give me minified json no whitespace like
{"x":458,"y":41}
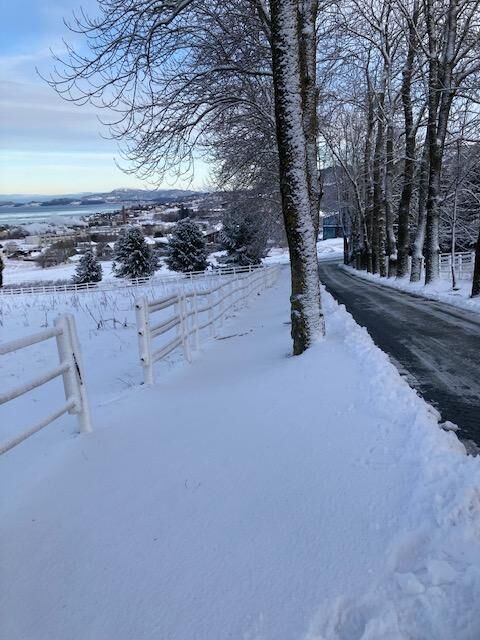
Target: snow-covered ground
{"x":19,"y":271}
{"x":249,"y":495}
{"x":106,"y":326}
{"x":441,"y":291}
{"x":331,"y":249}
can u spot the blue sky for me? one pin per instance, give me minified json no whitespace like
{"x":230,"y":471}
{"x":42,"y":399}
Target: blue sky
{"x":48,"y":146}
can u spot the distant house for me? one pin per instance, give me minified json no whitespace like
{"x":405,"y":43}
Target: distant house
{"x":332,"y":227}
{"x":105,"y":250}
{"x":18,"y":250}
{"x":212,"y":235}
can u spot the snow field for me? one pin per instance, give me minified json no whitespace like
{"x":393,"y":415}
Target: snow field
{"x":106,"y":326}
{"x":18,"y":271}
{"x":249,"y":495}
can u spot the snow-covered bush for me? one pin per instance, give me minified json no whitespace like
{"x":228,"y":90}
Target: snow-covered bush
{"x":186,"y":248}
{"x":133,"y":257}
{"x":88,"y":269}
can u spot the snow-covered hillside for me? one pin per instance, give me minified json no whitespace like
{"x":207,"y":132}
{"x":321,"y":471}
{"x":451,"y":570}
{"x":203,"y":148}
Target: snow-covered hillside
{"x":248,"y":495}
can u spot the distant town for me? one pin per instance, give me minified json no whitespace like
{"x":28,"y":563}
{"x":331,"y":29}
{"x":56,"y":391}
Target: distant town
{"x":63,"y":240}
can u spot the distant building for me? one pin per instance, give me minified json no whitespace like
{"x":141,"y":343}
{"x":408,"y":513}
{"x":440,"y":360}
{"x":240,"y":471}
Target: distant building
{"x":332,"y":227}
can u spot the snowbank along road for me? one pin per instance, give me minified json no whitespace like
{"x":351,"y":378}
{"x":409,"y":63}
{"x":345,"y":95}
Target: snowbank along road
{"x":437,"y":347}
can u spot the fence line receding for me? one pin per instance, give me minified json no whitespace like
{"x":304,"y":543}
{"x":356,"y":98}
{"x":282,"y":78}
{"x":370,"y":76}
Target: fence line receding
{"x":191,"y":313}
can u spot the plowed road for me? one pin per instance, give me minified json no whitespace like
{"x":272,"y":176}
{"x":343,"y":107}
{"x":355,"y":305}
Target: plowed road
{"x":435,"y":346}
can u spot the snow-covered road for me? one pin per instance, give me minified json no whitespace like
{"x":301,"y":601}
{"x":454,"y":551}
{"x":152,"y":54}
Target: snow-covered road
{"x":436,"y":346}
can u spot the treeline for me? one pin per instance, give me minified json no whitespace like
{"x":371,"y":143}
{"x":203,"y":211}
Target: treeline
{"x":399,"y":121}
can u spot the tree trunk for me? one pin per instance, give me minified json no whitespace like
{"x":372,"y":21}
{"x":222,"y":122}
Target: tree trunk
{"x":476,"y":269}
{"x":306,"y":313}
{"x":379,"y":221}
{"x":369,"y":223}
{"x":432,"y":247}
{"x":440,"y":96}
{"x":410,"y":144}
{"x":308,"y":69}
{"x":391,"y":240}
{"x":453,"y":244}
{"x":417,"y":255}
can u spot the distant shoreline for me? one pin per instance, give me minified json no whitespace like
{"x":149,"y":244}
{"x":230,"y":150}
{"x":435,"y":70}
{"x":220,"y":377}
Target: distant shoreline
{"x":55,"y":214}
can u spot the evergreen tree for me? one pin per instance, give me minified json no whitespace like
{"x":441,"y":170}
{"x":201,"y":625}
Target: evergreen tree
{"x":88,"y":269}
{"x":244,"y":235}
{"x":2,"y":266}
{"x":133,"y":257}
{"x":186,"y":248}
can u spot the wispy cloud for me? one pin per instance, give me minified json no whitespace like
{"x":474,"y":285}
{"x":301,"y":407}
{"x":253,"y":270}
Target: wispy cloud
{"x":48,"y":145}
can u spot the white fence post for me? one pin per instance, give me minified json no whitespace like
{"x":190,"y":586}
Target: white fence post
{"x":84,"y":417}
{"x":211,"y":323}
{"x":221,"y":305}
{"x":195,"y":316}
{"x":182,"y":310}
{"x":143,"y":330}
{"x":73,"y":378}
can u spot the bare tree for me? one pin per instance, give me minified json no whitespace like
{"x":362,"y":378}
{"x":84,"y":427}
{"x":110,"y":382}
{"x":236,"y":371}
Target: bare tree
{"x":169,"y":71}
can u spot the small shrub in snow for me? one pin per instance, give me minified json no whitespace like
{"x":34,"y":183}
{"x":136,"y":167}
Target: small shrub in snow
{"x":186,"y":248}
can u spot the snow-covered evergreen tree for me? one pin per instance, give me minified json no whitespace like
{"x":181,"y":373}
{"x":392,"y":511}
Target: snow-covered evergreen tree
{"x":133,"y":257}
{"x":88,"y":269}
{"x":186,"y":248}
{"x":244,"y":235}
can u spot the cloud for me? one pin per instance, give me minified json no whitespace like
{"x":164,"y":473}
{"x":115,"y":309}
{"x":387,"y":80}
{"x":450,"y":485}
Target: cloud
{"x":48,"y":145}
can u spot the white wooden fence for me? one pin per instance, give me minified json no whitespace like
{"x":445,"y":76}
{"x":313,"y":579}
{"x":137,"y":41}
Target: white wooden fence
{"x":193,"y":312}
{"x":70,"y":368}
{"x":113,"y":284}
{"x":463,"y":264}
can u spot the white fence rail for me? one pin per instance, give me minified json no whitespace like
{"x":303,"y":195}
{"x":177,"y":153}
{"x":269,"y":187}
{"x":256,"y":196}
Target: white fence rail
{"x":191,"y":313}
{"x":463,"y":264}
{"x":70,"y":368}
{"x":109,"y":285}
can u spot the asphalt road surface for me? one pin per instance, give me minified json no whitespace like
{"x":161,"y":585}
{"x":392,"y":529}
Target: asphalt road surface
{"x":434,"y":345}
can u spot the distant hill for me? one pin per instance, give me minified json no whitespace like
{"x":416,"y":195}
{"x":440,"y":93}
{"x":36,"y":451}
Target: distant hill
{"x":120,"y":196}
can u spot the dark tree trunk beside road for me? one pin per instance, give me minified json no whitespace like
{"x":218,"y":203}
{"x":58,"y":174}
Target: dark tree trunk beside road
{"x":306,"y":313}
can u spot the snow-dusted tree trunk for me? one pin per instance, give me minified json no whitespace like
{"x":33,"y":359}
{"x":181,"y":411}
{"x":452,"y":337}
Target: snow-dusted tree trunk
{"x":306,"y":312}
{"x":391,"y":240}
{"x":417,"y":252}
{"x":476,"y":270}
{"x":410,"y":145}
{"x":369,"y":222}
{"x":379,"y":214}
{"x":440,"y":96}
{"x":308,"y":67}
